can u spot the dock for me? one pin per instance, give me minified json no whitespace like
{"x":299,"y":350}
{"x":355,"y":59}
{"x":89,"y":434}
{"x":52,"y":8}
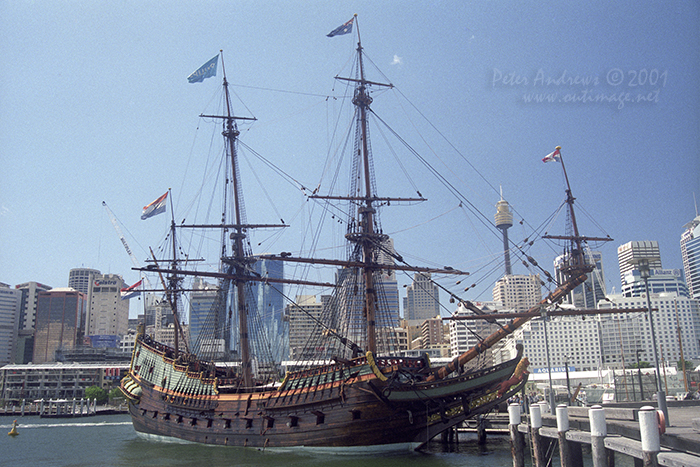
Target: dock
{"x":625,"y":430}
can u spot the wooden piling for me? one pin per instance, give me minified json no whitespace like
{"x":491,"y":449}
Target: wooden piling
{"x":538,"y":451}
{"x":517,"y":440}
{"x":599,"y":431}
{"x":651,"y":438}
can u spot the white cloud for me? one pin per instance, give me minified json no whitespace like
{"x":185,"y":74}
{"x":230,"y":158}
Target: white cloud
{"x":397,"y":60}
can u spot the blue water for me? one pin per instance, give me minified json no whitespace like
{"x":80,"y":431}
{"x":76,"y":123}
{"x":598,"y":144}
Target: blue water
{"x":112,"y":441}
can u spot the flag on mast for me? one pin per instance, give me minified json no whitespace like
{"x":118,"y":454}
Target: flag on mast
{"x":553,"y":156}
{"x":205,"y":71}
{"x":342,"y":29}
{"x":131,"y":291}
{"x":155,"y":208}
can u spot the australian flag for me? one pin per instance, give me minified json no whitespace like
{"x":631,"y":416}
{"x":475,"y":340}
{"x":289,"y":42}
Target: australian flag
{"x":340,"y":30}
{"x":205,"y":71}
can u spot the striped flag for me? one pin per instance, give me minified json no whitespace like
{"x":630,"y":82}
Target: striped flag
{"x":131,"y":291}
{"x":155,"y":208}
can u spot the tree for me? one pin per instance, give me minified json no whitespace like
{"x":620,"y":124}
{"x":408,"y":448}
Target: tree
{"x":688,"y":365}
{"x":641,"y":364}
{"x":116,"y":396}
{"x":96,"y":392}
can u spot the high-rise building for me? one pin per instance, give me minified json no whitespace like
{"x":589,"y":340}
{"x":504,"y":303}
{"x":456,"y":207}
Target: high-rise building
{"x":303,"y":315}
{"x":422,"y":300}
{"x":518,"y":292}
{"x":202,"y":300}
{"x":690,"y":252}
{"x":389,"y":297}
{"x":10,"y":307}
{"x":108,"y":314}
{"x":81,"y":278}
{"x":27,"y":320}
{"x":270,"y":302}
{"x":466,"y":334}
{"x":590,"y":292}
{"x":631,"y":252}
{"x":60,"y":315}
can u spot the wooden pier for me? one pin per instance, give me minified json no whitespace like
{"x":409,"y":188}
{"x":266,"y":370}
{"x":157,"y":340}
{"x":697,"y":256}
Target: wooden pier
{"x":634,"y":432}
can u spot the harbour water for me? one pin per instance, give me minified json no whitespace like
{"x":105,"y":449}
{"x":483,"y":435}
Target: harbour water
{"x":111,"y":441}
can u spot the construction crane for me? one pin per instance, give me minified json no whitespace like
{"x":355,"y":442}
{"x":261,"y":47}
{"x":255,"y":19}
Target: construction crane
{"x":134,"y":261}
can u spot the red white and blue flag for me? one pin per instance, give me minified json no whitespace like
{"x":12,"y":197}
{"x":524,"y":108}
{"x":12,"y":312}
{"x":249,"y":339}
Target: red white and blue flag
{"x":553,"y":156}
{"x":342,"y":29}
{"x":131,"y":291}
{"x":155,"y":208}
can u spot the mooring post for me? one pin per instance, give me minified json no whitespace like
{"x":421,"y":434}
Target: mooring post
{"x":481,"y":429}
{"x":562,"y":428}
{"x":651,"y":439}
{"x":517,"y":440}
{"x":599,"y":431}
{"x":537,"y":445}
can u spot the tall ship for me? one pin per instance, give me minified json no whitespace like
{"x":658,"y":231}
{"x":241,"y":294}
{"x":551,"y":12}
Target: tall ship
{"x":349,"y":387}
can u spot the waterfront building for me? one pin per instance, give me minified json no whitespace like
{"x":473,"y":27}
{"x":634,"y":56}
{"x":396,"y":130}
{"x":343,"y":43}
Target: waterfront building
{"x":422,"y":299}
{"x":60,"y":320}
{"x":466,"y":334}
{"x":586,"y":295}
{"x":10,"y":308}
{"x":573,"y":341}
{"x":81,"y":278}
{"x":628,"y":335}
{"x":518,"y":292}
{"x":57,"y":380}
{"x":690,"y":252}
{"x":108,"y":314}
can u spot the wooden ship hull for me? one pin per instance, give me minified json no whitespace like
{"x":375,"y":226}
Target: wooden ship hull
{"x":359,"y":403}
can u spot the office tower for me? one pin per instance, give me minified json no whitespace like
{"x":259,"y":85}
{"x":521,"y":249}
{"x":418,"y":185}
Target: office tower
{"x":422,"y":300}
{"x":660,"y":280}
{"x":202,"y":300}
{"x":81,"y":278}
{"x":518,"y":292}
{"x":588,"y":294}
{"x":630,"y":252}
{"x":690,"y":252}
{"x":270,"y":301}
{"x":10,"y":308}
{"x":504,"y":221}
{"x":60,"y":315}
{"x":27,"y":320}
{"x":303,"y":316}
{"x":389,"y":298}
{"x":108,"y":314}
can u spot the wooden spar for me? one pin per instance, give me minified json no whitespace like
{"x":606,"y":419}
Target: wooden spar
{"x":554,"y":297}
{"x":493,"y":316}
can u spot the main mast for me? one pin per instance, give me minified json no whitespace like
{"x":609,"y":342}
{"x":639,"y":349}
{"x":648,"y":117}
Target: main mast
{"x":236,"y":262}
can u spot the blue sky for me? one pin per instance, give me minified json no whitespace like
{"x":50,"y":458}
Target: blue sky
{"x":95,"y":106}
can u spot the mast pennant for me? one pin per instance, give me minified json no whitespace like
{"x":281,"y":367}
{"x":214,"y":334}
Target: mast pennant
{"x":342,"y":29}
{"x":205,"y":71}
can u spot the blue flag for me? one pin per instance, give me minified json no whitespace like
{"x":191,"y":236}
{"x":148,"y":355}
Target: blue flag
{"x":205,"y":71}
{"x":340,"y":30}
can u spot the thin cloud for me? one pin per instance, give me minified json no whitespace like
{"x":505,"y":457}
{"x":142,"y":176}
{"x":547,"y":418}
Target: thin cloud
{"x":397,"y":60}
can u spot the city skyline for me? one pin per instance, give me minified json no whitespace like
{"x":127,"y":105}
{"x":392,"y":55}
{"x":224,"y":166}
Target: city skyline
{"x":98,"y":116}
